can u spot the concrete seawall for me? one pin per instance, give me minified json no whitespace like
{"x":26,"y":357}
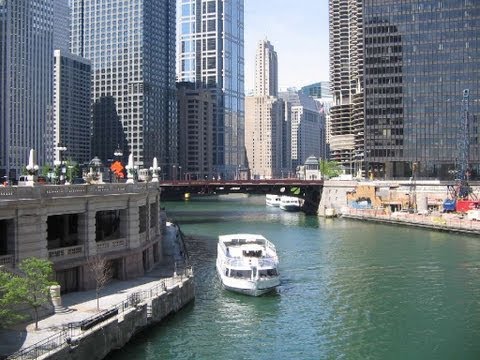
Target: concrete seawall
{"x":115,"y":333}
{"x":448,"y":223}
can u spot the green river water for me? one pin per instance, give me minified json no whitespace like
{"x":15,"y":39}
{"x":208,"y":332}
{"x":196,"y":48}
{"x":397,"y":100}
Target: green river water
{"x":349,"y":290}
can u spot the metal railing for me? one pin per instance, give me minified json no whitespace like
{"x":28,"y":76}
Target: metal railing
{"x":52,"y":343}
{"x":75,"y":329}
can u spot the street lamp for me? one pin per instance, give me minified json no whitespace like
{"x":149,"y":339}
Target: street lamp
{"x":118,"y":153}
{"x":179,"y":173}
{"x":60,"y":162}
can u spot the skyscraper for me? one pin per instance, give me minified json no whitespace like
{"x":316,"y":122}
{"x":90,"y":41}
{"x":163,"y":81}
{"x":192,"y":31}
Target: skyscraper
{"x":419,"y":58}
{"x":266,"y":70}
{"x":195,"y":135}
{"x":61,"y":29}
{"x":307,"y":127}
{"x":211,"y":55}
{"x":26,"y":52}
{"x":131,"y":46}
{"x":318,"y":90}
{"x":346,"y":72}
{"x":71,"y":99}
{"x":264,"y":116}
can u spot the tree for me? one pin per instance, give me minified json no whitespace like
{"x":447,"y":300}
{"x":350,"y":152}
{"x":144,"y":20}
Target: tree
{"x":101,"y":274}
{"x":32,"y":287}
{"x":329,"y":169}
{"x":46,"y":170}
{"x":8,"y":315}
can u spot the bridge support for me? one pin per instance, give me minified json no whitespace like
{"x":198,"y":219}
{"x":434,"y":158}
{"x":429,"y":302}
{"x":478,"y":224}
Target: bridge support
{"x":312,"y":196}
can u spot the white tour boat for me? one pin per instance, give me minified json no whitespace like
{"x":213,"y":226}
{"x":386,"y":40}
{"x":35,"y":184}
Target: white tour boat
{"x":247,"y":264}
{"x":290,"y":203}
{"x":272,"y":200}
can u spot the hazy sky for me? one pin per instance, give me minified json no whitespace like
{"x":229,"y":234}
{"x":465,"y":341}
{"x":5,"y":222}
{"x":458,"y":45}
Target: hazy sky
{"x":299,"y":32}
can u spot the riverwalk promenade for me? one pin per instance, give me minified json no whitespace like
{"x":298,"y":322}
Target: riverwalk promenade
{"x":450,"y":222}
{"x":23,"y":341}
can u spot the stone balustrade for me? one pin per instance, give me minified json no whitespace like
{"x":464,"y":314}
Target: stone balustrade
{"x":6,"y":260}
{"x":111,"y":245}
{"x":67,"y":252}
{"x":53,"y":191}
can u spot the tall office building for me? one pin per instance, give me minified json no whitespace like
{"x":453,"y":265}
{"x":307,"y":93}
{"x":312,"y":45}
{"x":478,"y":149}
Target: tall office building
{"x":419,"y":58}
{"x":195,"y":133}
{"x":211,"y":55}
{"x":26,"y":50}
{"x":264,"y":116}
{"x":346,"y":81}
{"x":131,"y":46}
{"x":266,"y":70}
{"x":307,"y":127}
{"x":320,"y":90}
{"x":71,"y":99}
{"x":263,"y":136}
{"x":61,"y":29}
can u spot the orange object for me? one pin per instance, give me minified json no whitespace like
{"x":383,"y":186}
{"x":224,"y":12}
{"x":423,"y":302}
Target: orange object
{"x":117,"y":168}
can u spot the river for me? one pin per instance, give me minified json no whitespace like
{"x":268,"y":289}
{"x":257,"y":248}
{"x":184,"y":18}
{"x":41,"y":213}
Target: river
{"x":349,"y":290}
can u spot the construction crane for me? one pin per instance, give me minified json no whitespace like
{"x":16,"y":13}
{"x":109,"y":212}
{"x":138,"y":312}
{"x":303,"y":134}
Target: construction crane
{"x":462,"y":191}
{"x":463,"y":172}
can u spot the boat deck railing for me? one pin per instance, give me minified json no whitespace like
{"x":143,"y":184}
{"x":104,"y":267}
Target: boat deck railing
{"x":268,"y":262}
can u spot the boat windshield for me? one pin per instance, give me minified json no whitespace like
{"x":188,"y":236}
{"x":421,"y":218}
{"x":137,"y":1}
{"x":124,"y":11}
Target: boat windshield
{"x":242,"y":274}
{"x":267,"y":273}
{"x":252,"y":253}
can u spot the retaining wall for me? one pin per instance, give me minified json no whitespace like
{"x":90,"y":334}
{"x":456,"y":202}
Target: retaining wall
{"x":115,"y":333}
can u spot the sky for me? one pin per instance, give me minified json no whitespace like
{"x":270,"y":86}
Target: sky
{"x":298,"y":30}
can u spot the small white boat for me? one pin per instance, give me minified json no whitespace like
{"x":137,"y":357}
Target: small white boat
{"x":290,"y":203}
{"x":272,"y":200}
{"x":247,"y":264}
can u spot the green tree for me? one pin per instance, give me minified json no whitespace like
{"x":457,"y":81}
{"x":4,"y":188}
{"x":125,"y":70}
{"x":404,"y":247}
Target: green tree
{"x":8,"y":315}
{"x":73,"y":169}
{"x":329,"y":169}
{"x":46,"y":169}
{"x":32,"y":287}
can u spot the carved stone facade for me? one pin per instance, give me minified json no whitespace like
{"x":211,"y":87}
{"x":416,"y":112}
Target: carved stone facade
{"x":69,"y":224}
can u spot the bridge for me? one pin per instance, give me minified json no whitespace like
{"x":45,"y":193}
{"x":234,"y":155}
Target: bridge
{"x":309,"y":190}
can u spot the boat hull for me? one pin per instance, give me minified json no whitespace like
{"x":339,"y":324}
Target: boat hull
{"x":289,"y":203}
{"x":291,"y":208}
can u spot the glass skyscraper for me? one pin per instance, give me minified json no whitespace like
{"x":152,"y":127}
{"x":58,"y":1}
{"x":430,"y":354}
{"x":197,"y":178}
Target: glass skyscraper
{"x":131,"y":46}
{"x":26,"y":75}
{"x":419,"y":58}
{"x":211,"y":55}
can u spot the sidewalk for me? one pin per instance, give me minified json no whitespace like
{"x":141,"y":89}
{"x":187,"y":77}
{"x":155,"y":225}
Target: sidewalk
{"x":83,"y":304}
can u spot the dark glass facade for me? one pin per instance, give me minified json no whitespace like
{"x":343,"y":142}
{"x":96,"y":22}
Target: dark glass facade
{"x":211,"y":55}
{"x":419,"y":58}
{"x":131,"y":45}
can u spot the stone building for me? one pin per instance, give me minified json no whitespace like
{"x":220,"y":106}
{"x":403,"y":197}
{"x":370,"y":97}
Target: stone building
{"x":69,"y":224}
